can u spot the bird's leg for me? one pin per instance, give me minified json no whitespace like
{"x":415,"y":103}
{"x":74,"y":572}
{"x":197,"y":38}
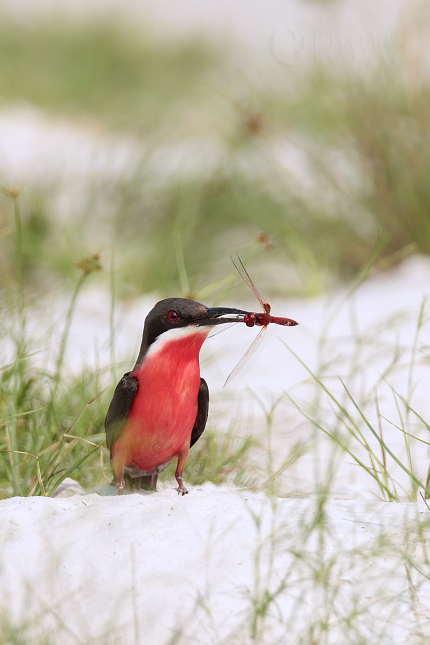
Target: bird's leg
{"x":118,"y":463}
{"x":181,"y":488}
{"x":137,"y":483}
{"x":120,"y":484}
{"x":178,"y":474}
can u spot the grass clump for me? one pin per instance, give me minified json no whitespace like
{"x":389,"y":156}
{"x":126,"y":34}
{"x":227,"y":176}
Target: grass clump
{"x":364,"y":403}
{"x":41,"y":406}
{"x":50,"y":423}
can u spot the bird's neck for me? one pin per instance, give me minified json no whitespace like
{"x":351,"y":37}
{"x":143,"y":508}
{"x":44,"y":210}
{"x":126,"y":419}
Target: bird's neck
{"x":175,"y":345}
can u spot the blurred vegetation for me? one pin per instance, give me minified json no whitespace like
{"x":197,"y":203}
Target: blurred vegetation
{"x":100,"y":70}
{"x":322,"y":172}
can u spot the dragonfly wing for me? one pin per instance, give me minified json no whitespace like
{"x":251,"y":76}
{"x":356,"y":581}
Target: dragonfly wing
{"x":247,"y":355}
{"x":240,"y":268}
{"x":219,"y":328}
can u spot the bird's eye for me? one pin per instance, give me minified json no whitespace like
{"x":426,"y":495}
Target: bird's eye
{"x":173,"y":316}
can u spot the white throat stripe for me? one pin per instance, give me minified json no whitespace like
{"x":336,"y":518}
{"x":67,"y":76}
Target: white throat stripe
{"x":176,"y":334}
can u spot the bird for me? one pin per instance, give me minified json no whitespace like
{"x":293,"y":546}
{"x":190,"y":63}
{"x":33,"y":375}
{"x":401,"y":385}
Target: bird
{"x":160,"y":408}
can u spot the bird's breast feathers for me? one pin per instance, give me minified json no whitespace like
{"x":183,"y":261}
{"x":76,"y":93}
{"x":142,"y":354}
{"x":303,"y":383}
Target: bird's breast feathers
{"x":164,"y":411}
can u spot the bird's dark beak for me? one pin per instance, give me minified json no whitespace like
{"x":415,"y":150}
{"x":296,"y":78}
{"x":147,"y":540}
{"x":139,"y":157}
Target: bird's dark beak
{"x":221,"y":315}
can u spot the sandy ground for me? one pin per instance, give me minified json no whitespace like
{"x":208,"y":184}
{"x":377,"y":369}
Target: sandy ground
{"x":142,"y":568}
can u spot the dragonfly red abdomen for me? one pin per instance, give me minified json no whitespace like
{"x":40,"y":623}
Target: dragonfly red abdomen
{"x":287,"y":322}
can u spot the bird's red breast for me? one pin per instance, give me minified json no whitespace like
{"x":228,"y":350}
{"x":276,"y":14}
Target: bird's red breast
{"x":159,"y":425}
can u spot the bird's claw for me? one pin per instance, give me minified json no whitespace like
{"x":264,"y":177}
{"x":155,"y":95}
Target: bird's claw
{"x":181,"y":488}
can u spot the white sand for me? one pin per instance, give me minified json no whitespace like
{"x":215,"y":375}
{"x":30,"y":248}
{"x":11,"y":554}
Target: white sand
{"x":137,"y":568}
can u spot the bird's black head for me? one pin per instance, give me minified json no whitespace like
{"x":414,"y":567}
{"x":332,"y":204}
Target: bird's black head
{"x":173,"y":313}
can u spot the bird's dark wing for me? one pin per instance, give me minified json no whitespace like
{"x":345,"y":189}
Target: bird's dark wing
{"x":202,"y":412}
{"x":119,"y":408}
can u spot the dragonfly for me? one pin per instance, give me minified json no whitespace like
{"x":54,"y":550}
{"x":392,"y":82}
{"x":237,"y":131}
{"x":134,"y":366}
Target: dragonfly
{"x":260,"y":319}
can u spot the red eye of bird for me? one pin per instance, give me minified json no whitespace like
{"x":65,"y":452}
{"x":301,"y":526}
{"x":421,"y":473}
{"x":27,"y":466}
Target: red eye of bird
{"x":172,"y":316}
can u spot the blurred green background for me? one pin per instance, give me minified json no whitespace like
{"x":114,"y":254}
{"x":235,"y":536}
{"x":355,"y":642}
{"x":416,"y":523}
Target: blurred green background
{"x":190,"y":151}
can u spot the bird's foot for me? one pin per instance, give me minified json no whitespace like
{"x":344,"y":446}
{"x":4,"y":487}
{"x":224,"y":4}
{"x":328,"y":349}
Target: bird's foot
{"x":181,"y":488}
